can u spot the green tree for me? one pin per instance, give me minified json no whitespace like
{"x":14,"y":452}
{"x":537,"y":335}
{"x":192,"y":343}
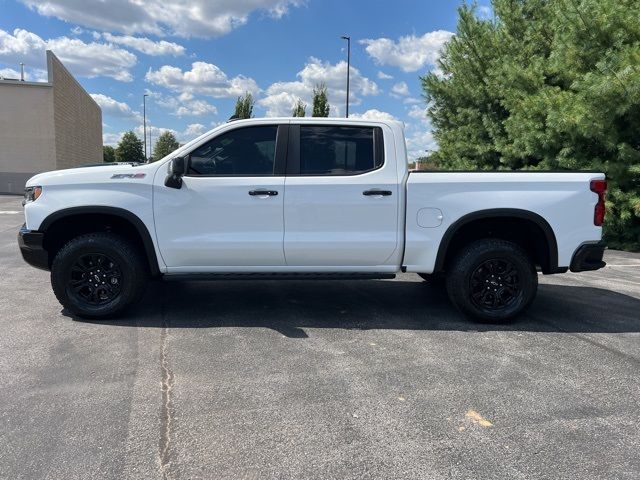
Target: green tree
{"x":546,"y":85}
{"x":244,"y":106}
{"x":321,"y":105}
{"x":299,"y":109}
{"x":108,"y":154}
{"x":130,"y":148}
{"x":165,"y":144}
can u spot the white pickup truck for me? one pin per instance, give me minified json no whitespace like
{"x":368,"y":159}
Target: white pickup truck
{"x":307,"y":198}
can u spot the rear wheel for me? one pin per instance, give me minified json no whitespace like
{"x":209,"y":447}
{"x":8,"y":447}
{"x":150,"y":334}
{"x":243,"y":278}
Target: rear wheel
{"x":98,"y":275}
{"x":492,"y":280}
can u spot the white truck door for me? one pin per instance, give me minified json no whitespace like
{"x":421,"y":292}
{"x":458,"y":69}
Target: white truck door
{"x":229,"y":211}
{"x":341,"y":199}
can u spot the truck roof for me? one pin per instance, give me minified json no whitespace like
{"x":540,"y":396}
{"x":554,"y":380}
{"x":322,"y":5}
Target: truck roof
{"x":317,"y":120}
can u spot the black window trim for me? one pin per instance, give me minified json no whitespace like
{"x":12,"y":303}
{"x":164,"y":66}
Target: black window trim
{"x":280,"y":159}
{"x":293,"y":156}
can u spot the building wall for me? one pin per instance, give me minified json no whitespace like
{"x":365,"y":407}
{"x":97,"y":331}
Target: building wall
{"x":46,"y":126}
{"x":27,"y":134}
{"x":77,"y":119}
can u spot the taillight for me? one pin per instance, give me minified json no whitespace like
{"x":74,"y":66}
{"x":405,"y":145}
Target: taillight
{"x":599,"y":187}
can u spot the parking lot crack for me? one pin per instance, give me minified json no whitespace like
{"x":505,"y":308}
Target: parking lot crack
{"x":166,"y":408}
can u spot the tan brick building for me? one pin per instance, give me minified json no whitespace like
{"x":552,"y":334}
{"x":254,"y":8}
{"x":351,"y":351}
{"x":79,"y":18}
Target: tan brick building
{"x":46,"y":126}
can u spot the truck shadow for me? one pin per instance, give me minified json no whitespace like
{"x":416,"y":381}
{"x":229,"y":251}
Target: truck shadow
{"x":290,"y":307}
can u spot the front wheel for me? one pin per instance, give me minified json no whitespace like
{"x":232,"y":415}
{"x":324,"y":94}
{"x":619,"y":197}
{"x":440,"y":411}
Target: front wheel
{"x":98,"y":275}
{"x":492,"y":280}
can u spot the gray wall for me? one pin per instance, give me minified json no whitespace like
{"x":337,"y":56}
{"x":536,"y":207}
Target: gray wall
{"x":27,"y":133}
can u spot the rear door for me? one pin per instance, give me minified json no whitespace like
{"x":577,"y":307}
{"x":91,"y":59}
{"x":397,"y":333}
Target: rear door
{"x":341,"y":201}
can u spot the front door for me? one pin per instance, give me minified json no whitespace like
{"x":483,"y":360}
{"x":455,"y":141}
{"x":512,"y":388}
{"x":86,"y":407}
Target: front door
{"x":228,"y":215}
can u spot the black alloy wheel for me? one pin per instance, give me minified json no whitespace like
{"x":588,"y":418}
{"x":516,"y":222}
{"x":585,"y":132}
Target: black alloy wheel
{"x":95,"y":278}
{"x":494,"y":285}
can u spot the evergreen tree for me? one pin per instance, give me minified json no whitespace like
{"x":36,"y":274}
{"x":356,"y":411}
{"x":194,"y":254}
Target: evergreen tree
{"x":108,"y":154}
{"x":165,"y":144}
{"x":244,"y":106}
{"x":546,"y":85}
{"x":130,"y":148}
{"x":299,"y":109}
{"x":321,"y":105}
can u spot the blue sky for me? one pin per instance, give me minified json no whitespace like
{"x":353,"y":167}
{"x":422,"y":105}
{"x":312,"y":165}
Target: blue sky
{"x":194,"y":57}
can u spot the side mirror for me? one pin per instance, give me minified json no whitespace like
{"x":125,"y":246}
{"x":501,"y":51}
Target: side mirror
{"x":177,"y":168}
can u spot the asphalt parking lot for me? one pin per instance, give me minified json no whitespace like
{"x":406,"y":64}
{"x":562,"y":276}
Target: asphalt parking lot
{"x":344,"y":379}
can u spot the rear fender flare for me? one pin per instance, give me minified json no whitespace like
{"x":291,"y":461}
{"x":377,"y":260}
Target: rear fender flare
{"x":552,"y":244}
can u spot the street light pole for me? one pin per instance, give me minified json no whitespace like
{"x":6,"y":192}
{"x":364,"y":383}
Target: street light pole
{"x":144,"y":123}
{"x":348,"y":39}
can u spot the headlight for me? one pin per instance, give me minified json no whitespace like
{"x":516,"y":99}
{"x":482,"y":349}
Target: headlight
{"x":31,"y":194}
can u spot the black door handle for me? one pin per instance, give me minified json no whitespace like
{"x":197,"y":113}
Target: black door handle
{"x":259,"y":193}
{"x":382,"y":193}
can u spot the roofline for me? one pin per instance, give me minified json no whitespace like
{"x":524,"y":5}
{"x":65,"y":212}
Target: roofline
{"x":331,"y":120}
{"x":21,"y":83}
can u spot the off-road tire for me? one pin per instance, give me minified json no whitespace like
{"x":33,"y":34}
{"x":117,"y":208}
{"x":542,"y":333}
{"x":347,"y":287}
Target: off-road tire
{"x":122,"y":257}
{"x":477,"y":281}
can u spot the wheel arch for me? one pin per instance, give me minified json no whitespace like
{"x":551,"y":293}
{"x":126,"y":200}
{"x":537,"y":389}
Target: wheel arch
{"x":97,"y":217}
{"x":498,"y":222}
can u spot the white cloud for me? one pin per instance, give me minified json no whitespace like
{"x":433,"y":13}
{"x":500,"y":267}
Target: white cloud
{"x":93,"y":59}
{"x":21,"y":44}
{"x":146,"y":46}
{"x":281,"y":104}
{"x":83,"y":59}
{"x":185,"y":18}
{"x":384,"y":76}
{"x":412,"y":101}
{"x":30,"y":74}
{"x":9,"y":73}
{"x":185,"y":105}
{"x":417,"y":112}
{"x":111,"y":138}
{"x":420,"y":144}
{"x":194,"y":130}
{"x":196,"y":108}
{"x":400,"y":89}
{"x":153,"y":132}
{"x":410,"y":53}
{"x":281,"y":96}
{"x":374,"y":114}
{"x":419,"y":135}
{"x":203,"y":78}
{"x":114,"y":108}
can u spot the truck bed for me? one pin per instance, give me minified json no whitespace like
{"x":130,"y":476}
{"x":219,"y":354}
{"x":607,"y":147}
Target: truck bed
{"x":436,"y":200}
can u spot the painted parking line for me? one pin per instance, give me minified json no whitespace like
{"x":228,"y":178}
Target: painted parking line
{"x":9,"y":212}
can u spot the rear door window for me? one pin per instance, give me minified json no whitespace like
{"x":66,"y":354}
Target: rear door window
{"x":338,"y":150}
